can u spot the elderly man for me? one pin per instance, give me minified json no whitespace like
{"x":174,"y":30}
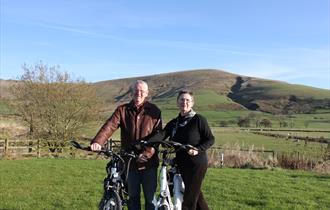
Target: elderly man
{"x":136,"y":120}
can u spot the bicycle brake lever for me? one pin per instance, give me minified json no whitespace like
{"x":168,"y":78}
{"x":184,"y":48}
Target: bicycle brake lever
{"x":188,"y":147}
{"x":75,"y":144}
{"x":139,"y":145}
{"x":79,"y":146}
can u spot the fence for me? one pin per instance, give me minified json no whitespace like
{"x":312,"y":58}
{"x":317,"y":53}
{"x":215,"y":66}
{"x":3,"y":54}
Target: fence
{"x":31,"y":148}
{"x":19,"y":148}
{"x":217,"y":155}
{"x":43,"y":148}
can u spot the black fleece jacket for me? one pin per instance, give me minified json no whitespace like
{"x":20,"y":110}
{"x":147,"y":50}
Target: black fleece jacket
{"x":196,"y":133}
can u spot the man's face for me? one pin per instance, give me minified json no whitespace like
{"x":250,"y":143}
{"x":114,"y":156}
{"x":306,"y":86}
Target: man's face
{"x":140,"y":93}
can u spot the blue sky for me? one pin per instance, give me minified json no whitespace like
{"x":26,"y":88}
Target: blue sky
{"x":287,"y":40}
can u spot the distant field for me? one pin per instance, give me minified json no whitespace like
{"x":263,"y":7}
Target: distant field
{"x":77,"y":184}
{"x":224,"y":136}
{"x":229,"y":137}
{"x":319,"y":120}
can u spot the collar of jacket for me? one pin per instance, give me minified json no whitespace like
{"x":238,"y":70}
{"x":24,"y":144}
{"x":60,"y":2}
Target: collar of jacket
{"x":145,"y":105}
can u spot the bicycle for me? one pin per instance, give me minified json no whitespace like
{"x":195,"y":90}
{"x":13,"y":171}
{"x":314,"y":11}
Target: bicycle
{"x":171,"y":183}
{"x":115,"y":194}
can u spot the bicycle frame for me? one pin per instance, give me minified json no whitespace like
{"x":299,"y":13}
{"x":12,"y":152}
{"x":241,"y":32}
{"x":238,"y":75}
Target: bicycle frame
{"x":165,"y":200}
{"x":115,"y":196}
{"x":178,"y":190}
{"x":113,"y":186}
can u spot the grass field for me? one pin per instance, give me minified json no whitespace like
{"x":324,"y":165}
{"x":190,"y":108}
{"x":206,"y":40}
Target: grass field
{"x":229,"y":137}
{"x":77,"y":184}
{"x":233,"y":137}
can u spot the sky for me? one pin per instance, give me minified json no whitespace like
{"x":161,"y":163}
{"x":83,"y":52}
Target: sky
{"x":286,"y":40}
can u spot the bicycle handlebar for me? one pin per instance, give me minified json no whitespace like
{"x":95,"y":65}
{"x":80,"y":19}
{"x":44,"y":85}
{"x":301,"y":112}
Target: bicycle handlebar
{"x":138,"y":145}
{"x":106,"y":151}
{"x":173,"y":144}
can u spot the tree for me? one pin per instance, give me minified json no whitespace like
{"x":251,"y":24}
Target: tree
{"x":54,"y":106}
{"x":283,"y":124}
{"x":243,"y":122}
{"x":266,"y":123}
{"x":223,"y":123}
{"x":306,"y":123}
{"x":282,"y":121}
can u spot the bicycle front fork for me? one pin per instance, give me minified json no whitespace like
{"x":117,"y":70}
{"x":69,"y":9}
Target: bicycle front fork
{"x":178,"y":190}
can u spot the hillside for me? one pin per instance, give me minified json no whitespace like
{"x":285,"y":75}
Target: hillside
{"x":215,"y":90}
{"x":222,"y":90}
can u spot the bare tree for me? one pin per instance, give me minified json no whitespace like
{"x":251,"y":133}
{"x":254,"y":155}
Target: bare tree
{"x":54,"y":106}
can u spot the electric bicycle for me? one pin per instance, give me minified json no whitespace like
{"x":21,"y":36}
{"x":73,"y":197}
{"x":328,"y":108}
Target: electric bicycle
{"x":115,"y":194}
{"x":171,"y":184}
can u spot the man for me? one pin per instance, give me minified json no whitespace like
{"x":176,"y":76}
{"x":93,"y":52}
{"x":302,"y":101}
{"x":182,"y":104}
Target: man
{"x":136,"y":120}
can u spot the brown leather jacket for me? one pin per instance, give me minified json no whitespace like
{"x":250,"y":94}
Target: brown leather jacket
{"x":134,"y":125}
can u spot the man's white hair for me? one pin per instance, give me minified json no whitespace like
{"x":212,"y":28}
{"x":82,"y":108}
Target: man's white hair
{"x":138,"y":82}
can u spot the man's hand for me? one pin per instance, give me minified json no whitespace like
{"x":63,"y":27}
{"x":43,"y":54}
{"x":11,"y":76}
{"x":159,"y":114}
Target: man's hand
{"x":146,"y":154}
{"x":96,"y":147}
{"x":149,"y":152}
{"x":142,"y":158}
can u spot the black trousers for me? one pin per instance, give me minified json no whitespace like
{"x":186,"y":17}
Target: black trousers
{"x":193,"y":176}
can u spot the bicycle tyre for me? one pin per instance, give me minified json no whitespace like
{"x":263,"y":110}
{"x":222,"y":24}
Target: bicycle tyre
{"x":111,"y":201}
{"x":163,"y":205}
{"x":163,"y":208}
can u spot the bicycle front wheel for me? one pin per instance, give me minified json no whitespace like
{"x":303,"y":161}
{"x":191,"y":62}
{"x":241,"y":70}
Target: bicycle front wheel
{"x":163,"y":208}
{"x":163,"y":205}
{"x":111,"y":201}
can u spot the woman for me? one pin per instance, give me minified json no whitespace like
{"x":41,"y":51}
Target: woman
{"x":190,"y":128}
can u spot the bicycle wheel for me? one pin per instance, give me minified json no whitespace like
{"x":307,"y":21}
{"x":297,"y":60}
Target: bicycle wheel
{"x":163,"y":208}
{"x":111,"y":201}
{"x":163,"y":205}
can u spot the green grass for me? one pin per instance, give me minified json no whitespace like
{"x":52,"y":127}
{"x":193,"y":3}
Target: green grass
{"x":5,"y":108}
{"x":77,"y":184}
{"x":208,"y":103}
{"x":266,"y":189}
{"x":50,"y":184}
{"x":301,"y":91}
{"x":245,"y":139}
{"x":208,"y":97}
{"x":318,"y":120}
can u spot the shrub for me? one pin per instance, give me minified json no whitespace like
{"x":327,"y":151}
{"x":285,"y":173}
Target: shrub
{"x":235,"y":157}
{"x":295,"y":161}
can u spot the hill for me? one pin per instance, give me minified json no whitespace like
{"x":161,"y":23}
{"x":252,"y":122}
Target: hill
{"x":218,"y":89}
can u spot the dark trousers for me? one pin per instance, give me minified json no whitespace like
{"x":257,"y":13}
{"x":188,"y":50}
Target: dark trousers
{"x":193,"y":176}
{"x":148,"y":179}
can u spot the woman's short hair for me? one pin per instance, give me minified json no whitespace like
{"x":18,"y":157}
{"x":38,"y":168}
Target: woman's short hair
{"x":185,"y":91}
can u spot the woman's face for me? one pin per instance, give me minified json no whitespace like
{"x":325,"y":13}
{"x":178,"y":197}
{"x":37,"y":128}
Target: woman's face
{"x":185,"y":103}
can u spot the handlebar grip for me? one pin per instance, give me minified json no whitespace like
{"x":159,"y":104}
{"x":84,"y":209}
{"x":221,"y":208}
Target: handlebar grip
{"x":79,"y":146}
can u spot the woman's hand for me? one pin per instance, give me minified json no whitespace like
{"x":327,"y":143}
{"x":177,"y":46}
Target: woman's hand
{"x":193,"y":152}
